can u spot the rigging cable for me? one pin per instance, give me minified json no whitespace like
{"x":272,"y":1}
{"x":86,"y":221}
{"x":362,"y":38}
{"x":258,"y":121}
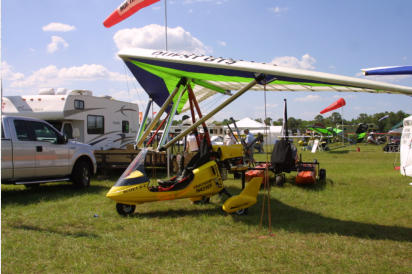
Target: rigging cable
{"x":266,"y":177}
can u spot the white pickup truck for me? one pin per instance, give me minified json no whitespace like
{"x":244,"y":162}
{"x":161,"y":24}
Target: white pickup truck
{"x":34,"y":152}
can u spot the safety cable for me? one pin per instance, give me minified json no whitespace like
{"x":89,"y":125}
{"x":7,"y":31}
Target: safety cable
{"x":266,"y":176}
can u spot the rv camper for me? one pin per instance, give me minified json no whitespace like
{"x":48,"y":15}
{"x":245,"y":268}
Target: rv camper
{"x":102,"y":122}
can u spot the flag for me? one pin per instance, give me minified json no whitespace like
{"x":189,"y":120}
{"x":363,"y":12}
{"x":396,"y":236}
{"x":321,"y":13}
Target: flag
{"x":126,"y":9}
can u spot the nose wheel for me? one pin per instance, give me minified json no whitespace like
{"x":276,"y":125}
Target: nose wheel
{"x":125,"y":210}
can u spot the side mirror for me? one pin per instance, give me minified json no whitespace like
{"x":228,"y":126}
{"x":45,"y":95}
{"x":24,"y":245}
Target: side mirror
{"x":62,"y":139}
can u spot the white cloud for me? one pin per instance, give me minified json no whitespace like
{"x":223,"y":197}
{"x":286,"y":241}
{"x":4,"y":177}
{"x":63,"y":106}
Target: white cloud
{"x":306,"y":62}
{"x":222,"y":43}
{"x":278,"y":10}
{"x":58,"y":27}
{"x":153,"y":37}
{"x":56,"y":43}
{"x":51,"y":76}
{"x":135,"y":95}
{"x":308,"y":98}
{"x":7,"y":73}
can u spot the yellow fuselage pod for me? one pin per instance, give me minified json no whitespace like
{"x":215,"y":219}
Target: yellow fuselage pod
{"x":229,"y":152}
{"x":246,"y":198}
{"x":206,"y":182}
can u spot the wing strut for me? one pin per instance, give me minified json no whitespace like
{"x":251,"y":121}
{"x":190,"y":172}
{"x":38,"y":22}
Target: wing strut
{"x":216,"y":110}
{"x":199,"y":113}
{"x":144,"y":121}
{"x":161,"y":111}
{"x":169,"y":122}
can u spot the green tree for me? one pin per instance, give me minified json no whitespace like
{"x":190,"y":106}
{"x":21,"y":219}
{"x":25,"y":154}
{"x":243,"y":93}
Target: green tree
{"x":336,"y":118}
{"x":319,"y":119}
{"x":268,"y":121}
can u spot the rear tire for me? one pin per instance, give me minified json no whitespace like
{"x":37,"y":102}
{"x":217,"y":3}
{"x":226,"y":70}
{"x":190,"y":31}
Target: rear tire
{"x":81,"y":174}
{"x":322,"y":174}
{"x":125,"y":210}
{"x":280,"y":180}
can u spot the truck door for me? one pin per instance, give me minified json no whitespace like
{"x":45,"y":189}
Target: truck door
{"x":6,"y":156}
{"x":24,"y":153}
{"x":52,"y":158}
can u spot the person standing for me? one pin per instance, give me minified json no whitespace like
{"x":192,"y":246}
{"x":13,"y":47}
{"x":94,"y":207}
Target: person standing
{"x":249,"y":140}
{"x":229,"y":139}
{"x":191,"y":148}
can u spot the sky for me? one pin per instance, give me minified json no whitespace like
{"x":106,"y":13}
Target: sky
{"x":63,"y":44}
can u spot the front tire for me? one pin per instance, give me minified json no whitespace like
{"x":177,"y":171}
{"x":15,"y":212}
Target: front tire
{"x":81,"y":174}
{"x":125,"y":210}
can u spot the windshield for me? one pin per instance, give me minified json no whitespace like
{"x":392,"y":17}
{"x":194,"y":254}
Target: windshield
{"x":134,"y":174}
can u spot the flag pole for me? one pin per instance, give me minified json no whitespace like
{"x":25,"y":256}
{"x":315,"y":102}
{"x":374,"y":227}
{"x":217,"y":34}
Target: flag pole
{"x":166,"y":22}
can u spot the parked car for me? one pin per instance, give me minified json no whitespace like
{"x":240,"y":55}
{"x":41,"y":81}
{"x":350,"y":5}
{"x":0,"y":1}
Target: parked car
{"x":34,"y":152}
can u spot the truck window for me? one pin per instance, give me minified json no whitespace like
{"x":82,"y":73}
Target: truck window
{"x":22,"y":131}
{"x":95,"y":124}
{"x":43,"y":132}
{"x":125,"y":126}
{"x":2,"y":132}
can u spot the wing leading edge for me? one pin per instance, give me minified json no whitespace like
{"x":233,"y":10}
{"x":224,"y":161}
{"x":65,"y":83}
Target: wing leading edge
{"x":158,"y":72}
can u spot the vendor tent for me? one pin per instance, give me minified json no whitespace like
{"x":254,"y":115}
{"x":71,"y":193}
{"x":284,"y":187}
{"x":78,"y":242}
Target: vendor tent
{"x":247,"y":123}
{"x":270,"y":133}
{"x":406,"y":147}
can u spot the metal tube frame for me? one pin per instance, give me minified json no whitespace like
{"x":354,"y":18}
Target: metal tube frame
{"x":161,"y":111}
{"x":213,"y":112}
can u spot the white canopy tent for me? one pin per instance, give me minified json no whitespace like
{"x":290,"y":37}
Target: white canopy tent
{"x":247,"y":123}
{"x":270,"y":133}
{"x":406,"y":147}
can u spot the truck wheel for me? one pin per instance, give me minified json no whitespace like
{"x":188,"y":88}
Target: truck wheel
{"x":125,"y":210}
{"x":81,"y":174}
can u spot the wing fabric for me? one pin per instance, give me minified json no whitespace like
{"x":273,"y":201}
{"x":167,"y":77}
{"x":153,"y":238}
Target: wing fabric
{"x":396,"y":70}
{"x":158,"y":72}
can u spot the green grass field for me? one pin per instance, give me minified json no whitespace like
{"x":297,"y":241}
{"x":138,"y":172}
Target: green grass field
{"x":358,"y":221}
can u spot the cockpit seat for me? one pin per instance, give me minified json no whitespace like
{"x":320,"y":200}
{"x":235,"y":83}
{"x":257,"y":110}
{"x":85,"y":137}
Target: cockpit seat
{"x":182,"y":180}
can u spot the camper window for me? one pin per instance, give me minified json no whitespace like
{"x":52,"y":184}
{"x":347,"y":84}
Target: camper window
{"x":95,"y":124}
{"x":125,"y":126}
{"x":78,"y":104}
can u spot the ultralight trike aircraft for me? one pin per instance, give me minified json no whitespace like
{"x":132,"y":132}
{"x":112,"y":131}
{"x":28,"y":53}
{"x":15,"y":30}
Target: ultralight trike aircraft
{"x":178,"y":82}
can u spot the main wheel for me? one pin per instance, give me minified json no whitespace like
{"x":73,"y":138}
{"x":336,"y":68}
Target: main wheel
{"x":243,"y":211}
{"x":81,"y":174}
{"x":125,"y":210}
{"x":322,"y":174}
{"x":280,"y":180}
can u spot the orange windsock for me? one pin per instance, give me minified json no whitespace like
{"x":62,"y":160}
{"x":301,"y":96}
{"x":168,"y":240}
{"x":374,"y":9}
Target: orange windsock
{"x":339,"y":103}
{"x":126,"y":9}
